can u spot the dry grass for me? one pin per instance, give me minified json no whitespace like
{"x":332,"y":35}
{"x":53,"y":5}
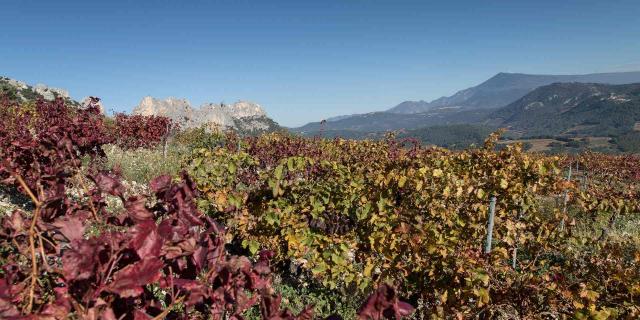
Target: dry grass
{"x":595,"y":142}
{"x":142,"y":165}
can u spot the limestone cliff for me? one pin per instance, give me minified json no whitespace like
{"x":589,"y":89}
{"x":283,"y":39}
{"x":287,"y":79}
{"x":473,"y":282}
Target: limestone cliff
{"x":244,"y":116}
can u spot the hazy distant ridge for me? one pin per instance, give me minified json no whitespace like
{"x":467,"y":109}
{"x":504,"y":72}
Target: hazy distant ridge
{"x":470,"y":105}
{"x":504,"y":88}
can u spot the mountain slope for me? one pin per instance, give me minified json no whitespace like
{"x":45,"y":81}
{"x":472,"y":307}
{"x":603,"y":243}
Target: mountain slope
{"x":573,"y":109}
{"x":454,"y":136}
{"x":385,"y":121}
{"x":413,"y":107}
{"x":504,"y":88}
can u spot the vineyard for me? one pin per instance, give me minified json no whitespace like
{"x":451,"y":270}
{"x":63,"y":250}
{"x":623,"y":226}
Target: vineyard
{"x":284,"y":227}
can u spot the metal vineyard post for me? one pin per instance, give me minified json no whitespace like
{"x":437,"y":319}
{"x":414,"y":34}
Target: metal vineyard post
{"x":492,"y":213}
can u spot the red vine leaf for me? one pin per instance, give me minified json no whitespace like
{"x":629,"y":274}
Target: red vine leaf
{"x":129,"y":281}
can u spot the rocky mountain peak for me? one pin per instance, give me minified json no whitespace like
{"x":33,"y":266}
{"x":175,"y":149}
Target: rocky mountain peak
{"x":242,"y":109}
{"x":243,"y":115}
{"x":170,"y":107}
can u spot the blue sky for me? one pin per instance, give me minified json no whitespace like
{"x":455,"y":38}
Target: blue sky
{"x":307,"y":60}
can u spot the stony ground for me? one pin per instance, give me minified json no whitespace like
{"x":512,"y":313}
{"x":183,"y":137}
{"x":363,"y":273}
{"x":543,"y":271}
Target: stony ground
{"x":11,"y":199}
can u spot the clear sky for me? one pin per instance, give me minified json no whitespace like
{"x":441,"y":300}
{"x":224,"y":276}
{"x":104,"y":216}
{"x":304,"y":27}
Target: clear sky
{"x":307,"y":60}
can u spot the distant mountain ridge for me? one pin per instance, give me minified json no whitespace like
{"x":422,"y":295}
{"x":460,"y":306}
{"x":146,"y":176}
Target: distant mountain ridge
{"x":243,"y":116}
{"x":468,"y":106}
{"x":504,"y":88}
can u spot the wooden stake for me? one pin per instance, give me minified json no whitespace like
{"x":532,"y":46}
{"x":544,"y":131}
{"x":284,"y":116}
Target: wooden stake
{"x":566,"y":200}
{"x":514,"y":259}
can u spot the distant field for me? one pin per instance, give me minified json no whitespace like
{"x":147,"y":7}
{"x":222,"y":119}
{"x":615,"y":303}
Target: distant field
{"x":542,"y":145}
{"x":599,"y":141}
{"x":537,"y":145}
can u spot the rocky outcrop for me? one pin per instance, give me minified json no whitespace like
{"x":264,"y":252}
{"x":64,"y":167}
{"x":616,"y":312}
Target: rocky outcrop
{"x":50,"y":93}
{"x":179,"y":110}
{"x":92,"y":102}
{"x":23,"y":92}
{"x":243,"y":116}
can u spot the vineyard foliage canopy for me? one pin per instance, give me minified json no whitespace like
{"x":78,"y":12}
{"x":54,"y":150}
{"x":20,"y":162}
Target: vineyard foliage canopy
{"x":377,"y":219}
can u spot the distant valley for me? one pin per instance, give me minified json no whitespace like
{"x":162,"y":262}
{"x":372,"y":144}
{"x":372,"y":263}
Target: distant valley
{"x":529,"y":106}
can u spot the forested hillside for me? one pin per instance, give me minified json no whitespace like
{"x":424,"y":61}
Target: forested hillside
{"x":573,"y":109}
